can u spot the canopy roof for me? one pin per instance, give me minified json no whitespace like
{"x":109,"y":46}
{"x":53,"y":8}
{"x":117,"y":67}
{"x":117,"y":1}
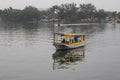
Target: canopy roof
{"x":71,"y":34}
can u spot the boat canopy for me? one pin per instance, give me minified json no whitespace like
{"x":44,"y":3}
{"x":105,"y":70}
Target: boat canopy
{"x":70,"y":34}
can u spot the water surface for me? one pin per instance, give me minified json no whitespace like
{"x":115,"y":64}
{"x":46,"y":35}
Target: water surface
{"x":27,"y":53}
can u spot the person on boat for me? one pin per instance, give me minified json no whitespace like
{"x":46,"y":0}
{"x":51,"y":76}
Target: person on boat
{"x":76,"y":38}
{"x":63,"y":41}
{"x":71,"y":41}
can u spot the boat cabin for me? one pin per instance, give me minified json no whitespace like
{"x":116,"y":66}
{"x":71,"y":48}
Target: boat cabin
{"x":68,"y":40}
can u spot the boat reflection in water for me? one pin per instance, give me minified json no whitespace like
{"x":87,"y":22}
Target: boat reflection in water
{"x":64,"y":58}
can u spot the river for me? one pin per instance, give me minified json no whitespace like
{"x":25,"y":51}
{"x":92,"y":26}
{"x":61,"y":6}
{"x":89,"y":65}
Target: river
{"x":27,"y":53}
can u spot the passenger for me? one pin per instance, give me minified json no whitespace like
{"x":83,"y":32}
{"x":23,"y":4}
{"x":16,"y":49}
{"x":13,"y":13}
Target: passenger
{"x":71,"y":41}
{"x":63,"y":41}
{"x":77,"y":38}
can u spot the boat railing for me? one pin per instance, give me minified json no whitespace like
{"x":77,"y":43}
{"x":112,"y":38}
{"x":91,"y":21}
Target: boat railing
{"x":70,"y":42}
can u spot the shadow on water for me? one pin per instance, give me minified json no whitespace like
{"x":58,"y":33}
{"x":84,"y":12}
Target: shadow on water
{"x":64,"y":58}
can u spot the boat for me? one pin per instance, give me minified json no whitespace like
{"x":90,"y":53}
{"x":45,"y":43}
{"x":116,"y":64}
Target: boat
{"x":64,"y":41}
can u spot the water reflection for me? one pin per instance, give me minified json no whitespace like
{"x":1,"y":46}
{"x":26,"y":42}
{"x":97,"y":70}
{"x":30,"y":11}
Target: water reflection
{"x":24,"y":34}
{"x":64,"y":58}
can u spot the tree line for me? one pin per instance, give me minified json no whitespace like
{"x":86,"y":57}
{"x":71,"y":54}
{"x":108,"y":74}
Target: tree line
{"x":27,"y":14}
{"x":64,"y":12}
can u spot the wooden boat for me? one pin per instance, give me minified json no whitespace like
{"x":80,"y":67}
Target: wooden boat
{"x":68,"y":40}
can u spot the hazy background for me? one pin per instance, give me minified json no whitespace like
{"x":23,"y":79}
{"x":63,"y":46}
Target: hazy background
{"x":110,"y":5}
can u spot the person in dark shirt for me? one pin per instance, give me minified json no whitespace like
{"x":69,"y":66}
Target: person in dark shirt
{"x":76,"y":38}
{"x":63,"y":41}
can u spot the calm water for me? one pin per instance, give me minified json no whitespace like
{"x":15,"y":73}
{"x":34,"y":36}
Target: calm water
{"x":27,"y":53}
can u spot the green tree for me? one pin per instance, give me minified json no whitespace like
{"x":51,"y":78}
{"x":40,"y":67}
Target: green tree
{"x":31,"y":13}
{"x":118,"y":15}
{"x":114,"y":14}
{"x":101,"y":14}
{"x":70,"y":11}
{"x":7,"y":13}
{"x":11,"y":14}
{"x":52,"y":12}
{"x":88,"y":10}
{"x":0,"y":13}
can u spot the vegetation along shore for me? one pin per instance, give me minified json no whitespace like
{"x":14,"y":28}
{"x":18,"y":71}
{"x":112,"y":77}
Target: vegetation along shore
{"x":64,"y":13}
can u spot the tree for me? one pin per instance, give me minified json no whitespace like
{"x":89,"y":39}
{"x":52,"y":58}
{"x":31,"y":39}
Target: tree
{"x":87,"y":10}
{"x":11,"y":14}
{"x":67,"y":12}
{"x":7,"y":13}
{"x":0,"y":13}
{"x":118,"y":14}
{"x":52,"y":12}
{"x":70,"y":11}
{"x":31,"y":13}
{"x":114,"y":14}
{"x":101,"y":14}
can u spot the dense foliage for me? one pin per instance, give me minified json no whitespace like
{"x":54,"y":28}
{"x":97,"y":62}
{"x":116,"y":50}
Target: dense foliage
{"x":65,"y":12}
{"x":27,"y":14}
